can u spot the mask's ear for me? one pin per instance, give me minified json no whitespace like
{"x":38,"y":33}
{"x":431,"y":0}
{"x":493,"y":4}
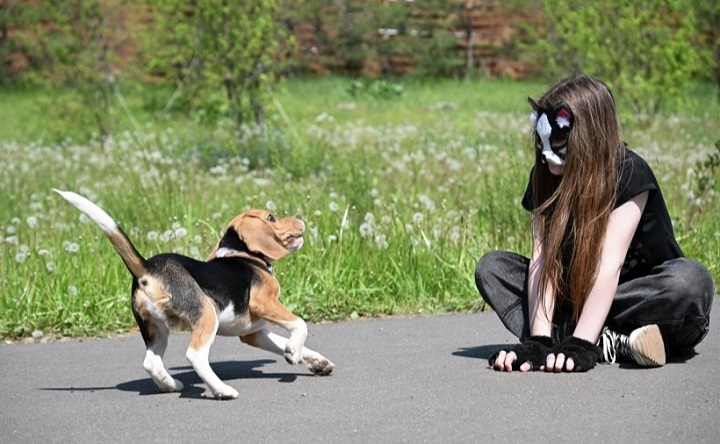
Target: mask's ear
{"x":534,"y":104}
{"x":260,"y":238}
{"x":564,"y":117}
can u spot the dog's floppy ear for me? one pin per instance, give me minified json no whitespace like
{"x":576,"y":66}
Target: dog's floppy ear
{"x":260,"y":237}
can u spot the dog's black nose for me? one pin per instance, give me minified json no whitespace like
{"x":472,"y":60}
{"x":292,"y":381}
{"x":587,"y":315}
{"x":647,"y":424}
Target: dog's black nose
{"x":297,"y":216}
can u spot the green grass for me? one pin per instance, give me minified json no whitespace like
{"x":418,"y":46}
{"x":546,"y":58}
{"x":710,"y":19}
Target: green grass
{"x":401,"y":196}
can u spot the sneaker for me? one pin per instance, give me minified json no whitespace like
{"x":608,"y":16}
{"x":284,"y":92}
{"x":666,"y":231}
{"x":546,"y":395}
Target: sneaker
{"x":644,"y":346}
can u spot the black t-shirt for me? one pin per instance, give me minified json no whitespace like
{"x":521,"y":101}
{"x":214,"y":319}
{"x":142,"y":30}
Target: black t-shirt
{"x":654,"y":240}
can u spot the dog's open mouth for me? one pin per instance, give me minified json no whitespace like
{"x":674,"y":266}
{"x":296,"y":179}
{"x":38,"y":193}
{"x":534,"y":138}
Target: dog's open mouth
{"x":294,"y":243}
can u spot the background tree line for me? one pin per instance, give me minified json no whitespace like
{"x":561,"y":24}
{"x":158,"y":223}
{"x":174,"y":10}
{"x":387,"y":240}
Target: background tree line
{"x":227,"y":57}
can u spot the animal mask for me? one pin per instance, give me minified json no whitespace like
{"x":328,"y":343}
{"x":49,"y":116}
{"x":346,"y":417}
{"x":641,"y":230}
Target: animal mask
{"x":552,"y":127}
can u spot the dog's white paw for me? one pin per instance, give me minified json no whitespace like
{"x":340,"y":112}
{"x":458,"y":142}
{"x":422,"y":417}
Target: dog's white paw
{"x":226,"y":392}
{"x":169,"y":387}
{"x":292,"y":354}
{"x":319,"y":365}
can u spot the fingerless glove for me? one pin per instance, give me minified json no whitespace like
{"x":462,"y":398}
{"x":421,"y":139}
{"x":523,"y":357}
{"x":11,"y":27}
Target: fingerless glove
{"x":583,"y":353}
{"x":533,"y":350}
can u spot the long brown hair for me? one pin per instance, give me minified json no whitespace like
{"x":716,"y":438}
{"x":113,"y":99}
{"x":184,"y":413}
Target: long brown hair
{"x":572,"y":217}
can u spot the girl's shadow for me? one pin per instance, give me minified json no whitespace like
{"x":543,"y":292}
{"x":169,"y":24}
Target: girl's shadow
{"x":479,"y":352}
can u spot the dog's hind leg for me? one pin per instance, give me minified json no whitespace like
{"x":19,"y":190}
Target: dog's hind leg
{"x":267,"y":340}
{"x":202,"y":337}
{"x":153,"y":363}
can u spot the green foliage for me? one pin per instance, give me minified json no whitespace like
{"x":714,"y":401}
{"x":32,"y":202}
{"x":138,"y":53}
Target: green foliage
{"x":76,"y":44}
{"x":645,"y":51}
{"x":225,"y":57}
{"x":707,"y":173}
{"x":377,"y":89}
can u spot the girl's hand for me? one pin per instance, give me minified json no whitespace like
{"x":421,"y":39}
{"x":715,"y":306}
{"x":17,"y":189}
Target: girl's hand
{"x":525,"y":356}
{"x":559,"y":363}
{"x":505,"y":361}
{"x":571,"y":355}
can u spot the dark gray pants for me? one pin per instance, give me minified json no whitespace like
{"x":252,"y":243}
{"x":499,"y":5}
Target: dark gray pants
{"x":677,"y":296}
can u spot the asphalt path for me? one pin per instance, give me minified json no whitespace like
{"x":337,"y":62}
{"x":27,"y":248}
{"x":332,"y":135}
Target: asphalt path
{"x":422,"y":379}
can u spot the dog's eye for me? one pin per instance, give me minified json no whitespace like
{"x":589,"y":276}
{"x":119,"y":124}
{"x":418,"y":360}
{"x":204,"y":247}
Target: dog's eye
{"x":271,"y":218}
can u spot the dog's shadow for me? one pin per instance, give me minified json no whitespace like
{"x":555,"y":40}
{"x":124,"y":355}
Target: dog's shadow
{"x":194,"y":386}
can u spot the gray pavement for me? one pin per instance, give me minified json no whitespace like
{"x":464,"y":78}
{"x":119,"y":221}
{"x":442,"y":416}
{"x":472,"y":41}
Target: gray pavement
{"x":397,"y":380}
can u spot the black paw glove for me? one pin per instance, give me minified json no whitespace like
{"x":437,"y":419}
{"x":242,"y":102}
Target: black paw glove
{"x":533,"y":350}
{"x":583,"y":353}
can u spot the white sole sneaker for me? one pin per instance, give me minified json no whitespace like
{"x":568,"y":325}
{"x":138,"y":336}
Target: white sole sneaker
{"x":647,"y":346}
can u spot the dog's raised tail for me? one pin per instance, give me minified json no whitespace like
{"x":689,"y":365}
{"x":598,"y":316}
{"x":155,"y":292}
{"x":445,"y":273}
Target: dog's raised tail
{"x":134,"y":261}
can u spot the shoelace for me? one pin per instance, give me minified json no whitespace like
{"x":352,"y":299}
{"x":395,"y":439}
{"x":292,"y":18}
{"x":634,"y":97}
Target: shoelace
{"x":613,"y":343}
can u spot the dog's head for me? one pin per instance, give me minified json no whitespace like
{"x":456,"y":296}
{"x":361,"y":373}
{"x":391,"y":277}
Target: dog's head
{"x":260,"y":233}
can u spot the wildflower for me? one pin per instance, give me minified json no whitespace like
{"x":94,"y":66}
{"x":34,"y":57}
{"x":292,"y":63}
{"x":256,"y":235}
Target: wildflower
{"x":32,"y":222}
{"x":72,"y":290}
{"x":43,"y":252}
{"x":270,"y":205}
{"x":427,"y":203}
{"x":20,"y":257}
{"x":166,"y":236}
{"x":455,"y":234}
{"x":366,"y":229}
{"x":70,"y":247}
{"x":334,"y":206}
{"x":152,"y":235}
{"x":381,"y":241}
{"x":417,"y":218}
{"x":51,"y":266}
{"x":180,"y":232}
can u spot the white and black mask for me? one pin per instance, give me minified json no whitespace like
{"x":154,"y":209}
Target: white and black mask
{"x":552,"y":129}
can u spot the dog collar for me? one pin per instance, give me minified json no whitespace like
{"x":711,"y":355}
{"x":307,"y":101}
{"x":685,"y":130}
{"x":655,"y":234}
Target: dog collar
{"x":224,"y":252}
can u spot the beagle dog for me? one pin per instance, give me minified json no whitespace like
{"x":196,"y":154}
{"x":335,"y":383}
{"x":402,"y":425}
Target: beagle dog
{"x":233,"y":293}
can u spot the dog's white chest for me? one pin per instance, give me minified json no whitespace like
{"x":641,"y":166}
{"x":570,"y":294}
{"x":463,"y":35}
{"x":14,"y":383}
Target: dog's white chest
{"x":230,"y":324}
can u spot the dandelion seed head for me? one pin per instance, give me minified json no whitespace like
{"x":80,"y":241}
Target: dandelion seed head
{"x":71,"y":247}
{"x":366,"y":229}
{"x":32,"y":222}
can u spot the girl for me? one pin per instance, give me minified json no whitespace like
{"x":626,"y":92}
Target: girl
{"x":606,"y":276}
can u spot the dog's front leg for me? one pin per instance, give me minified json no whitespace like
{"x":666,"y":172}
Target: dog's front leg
{"x":201,"y":338}
{"x":269,"y":308}
{"x":296,"y":342}
{"x":267,"y":340}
